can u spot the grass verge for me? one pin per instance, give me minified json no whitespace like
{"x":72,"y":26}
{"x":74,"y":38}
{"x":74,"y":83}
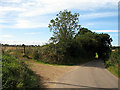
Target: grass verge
{"x":50,"y":63}
{"x":16,"y":74}
{"x":82,"y":61}
{"x":114,"y":70}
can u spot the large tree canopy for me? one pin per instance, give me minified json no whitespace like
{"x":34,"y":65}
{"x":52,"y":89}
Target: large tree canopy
{"x":94,"y":42}
{"x":70,"y":40}
{"x":64,"y":25}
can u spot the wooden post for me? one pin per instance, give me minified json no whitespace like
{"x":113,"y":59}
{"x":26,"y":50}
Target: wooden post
{"x":24,"y":49}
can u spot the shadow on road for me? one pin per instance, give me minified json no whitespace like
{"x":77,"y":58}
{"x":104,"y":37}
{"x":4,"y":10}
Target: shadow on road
{"x":95,"y":63}
{"x":81,"y":86}
{"x":40,"y":81}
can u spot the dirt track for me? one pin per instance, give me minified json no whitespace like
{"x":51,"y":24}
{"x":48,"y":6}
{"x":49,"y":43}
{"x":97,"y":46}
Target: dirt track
{"x":90,"y":75}
{"x":50,"y":73}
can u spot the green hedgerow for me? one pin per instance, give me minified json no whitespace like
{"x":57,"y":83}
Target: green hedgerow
{"x":15,"y":74}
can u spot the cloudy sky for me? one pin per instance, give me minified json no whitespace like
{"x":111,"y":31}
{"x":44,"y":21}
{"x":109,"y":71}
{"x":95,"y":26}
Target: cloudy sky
{"x":26,"y":21}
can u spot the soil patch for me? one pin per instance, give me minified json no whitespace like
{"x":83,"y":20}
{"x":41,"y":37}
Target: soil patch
{"x":49,"y":73}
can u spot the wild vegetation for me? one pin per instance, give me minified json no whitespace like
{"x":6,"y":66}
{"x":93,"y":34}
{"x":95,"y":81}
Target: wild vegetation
{"x":113,"y":63}
{"x":70,"y":44}
{"x":16,"y":74}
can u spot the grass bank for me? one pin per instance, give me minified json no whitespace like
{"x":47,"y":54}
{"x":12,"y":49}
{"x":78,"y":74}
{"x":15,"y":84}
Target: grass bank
{"x":16,"y":74}
{"x":113,"y":63}
{"x":114,"y":70}
{"x":81,"y":61}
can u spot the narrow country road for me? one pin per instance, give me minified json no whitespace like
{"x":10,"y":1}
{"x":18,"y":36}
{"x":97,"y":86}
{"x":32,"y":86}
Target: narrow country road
{"x":90,"y":75}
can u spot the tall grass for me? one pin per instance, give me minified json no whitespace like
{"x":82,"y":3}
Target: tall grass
{"x":113,"y":63}
{"x":47,"y":54}
{"x":114,"y":70}
{"x":16,"y":74}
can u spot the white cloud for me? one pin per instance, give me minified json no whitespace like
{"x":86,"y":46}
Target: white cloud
{"x":32,"y":33}
{"x":105,"y":30}
{"x":28,"y":24}
{"x":22,"y":26}
{"x":3,"y":21}
{"x":25,"y":24}
{"x":41,"y":7}
{"x":5,"y":9}
{"x":6,"y":36}
{"x":89,"y":24}
{"x":12,"y":1}
{"x":34,"y":23}
{"x":98,"y":15}
{"x":31,"y":13}
{"x":12,"y":42}
{"x":25,"y":13}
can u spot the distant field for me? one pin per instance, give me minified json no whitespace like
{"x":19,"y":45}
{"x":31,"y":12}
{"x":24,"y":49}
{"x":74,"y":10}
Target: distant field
{"x":6,"y":48}
{"x":19,"y":51}
{"x":113,"y":50}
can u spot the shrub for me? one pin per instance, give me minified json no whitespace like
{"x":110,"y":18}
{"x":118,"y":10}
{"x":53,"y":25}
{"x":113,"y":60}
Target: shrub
{"x":36,"y":55}
{"x":108,"y":63}
{"x":113,"y":63}
{"x":115,"y":57}
{"x":15,"y":74}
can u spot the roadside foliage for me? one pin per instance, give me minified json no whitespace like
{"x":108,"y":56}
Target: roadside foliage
{"x":70,"y":44}
{"x":16,"y":74}
{"x":113,"y":63}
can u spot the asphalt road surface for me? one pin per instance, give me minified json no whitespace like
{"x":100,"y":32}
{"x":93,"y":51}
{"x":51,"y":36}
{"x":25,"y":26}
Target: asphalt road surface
{"x":90,"y":75}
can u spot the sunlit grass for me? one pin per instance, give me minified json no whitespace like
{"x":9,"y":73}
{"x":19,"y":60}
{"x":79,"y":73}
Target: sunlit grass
{"x":82,"y":61}
{"x":114,"y":70}
{"x":16,"y":74}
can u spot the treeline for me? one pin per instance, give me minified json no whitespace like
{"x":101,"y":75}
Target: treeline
{"x":72,"y":43}
{"x":115,"y":47}
{"x":7,"y":45}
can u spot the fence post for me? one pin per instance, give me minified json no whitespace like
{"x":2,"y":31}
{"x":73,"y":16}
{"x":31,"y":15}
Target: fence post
{"x":24,"y":49}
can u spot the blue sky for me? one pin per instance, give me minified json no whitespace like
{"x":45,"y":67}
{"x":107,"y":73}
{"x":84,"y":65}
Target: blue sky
{"x":26,"y":21}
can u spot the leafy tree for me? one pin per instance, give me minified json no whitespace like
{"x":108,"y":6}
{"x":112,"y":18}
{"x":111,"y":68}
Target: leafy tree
{"x":93,"y":42}
{"x":103,"y":45}
{"x":70,"y":40}
{"x":64,"y":27}
{"x":87,"y":41}
{"x":83,"y":31}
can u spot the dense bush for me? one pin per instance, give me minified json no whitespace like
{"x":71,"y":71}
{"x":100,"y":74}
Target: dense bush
{"x":114,"y":58}
{"x":70,"y":42}
{"x":15,"y":74}
{"x":113,"y":63}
